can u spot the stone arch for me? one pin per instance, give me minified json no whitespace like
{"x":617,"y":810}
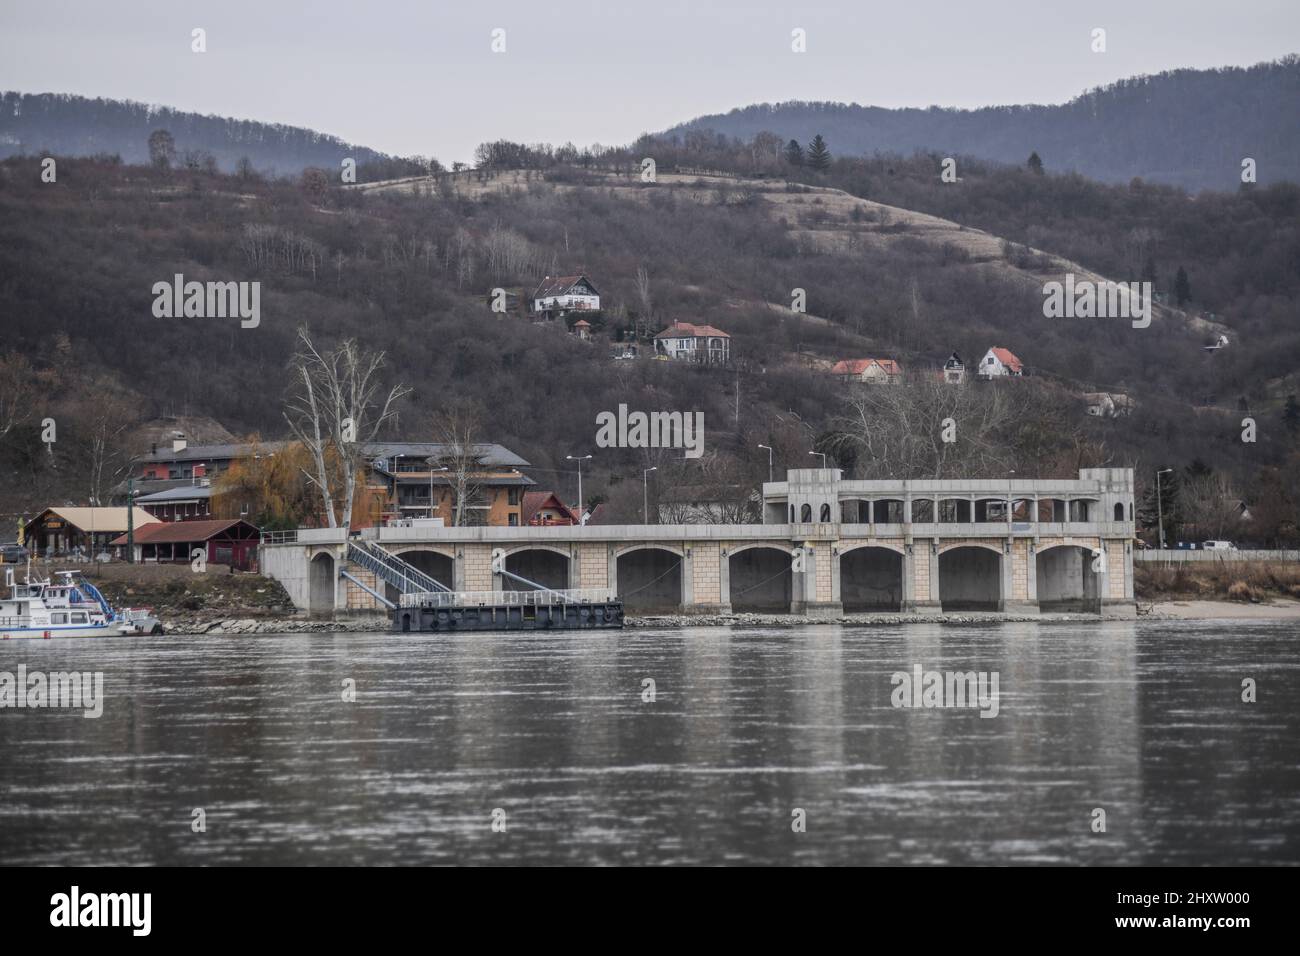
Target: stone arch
{"x":970,"y":577}
{"x":1065,"y":579}
{"x":650,"y":578}
{"x":760,"y":578}
{"x":321,"y":583}
{"x":871,"y":578}
{"x":546,"y":565}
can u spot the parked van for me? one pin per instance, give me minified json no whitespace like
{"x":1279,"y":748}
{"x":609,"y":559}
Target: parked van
{"x":1218,"y":546}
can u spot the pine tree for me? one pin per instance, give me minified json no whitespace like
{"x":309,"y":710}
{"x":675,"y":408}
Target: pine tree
{"x":1169,"y":506}
{"x":794,"y":153}
{"x":1182,"y":288}
{"x":1035,"y":163}
{"x":1149,"y":271}
{"x":819,"y":157}
{"x":1291,"y":414}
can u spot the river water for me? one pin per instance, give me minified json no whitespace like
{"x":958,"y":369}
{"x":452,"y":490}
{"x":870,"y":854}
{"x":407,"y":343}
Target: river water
{"x":749,"y":733}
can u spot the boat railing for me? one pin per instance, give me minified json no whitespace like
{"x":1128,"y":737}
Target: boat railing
{"x":437,"y":599}
{"x":15,"y":622}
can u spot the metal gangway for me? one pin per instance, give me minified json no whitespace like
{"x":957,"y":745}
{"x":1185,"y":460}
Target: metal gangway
{"x":390,"y":569}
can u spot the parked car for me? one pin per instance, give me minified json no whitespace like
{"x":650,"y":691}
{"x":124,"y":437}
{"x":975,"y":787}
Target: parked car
{"x":1218,"y":546}
{"x":13,"y":553}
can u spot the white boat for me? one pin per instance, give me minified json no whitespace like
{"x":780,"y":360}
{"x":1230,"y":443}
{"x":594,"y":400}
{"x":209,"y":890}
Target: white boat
{"x":69,"y":606}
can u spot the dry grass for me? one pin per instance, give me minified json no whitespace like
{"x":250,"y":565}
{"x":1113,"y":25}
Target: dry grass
{"x":1233,"y":580}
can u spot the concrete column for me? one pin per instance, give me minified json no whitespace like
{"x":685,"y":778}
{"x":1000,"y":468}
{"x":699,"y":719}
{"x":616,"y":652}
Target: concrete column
{"x":724,"y":577}
{"x":688,"y":576}
{"x":612,"y":570}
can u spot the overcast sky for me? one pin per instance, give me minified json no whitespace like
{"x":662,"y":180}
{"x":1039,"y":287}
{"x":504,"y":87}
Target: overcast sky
{"x":419,"y":76}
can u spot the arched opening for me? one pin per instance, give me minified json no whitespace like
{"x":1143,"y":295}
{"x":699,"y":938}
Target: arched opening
{"x":320,"y":585}
{"x":792,"y":514}
{"x":406,"y":622}
{"x":761,"y":580}
{"x":871,"y":579}
{"x":970,"y":579}
{"x":550,"y":569}
{"x":1119,"y":511}
{"x":825,"y":514}
{"x":1066,"y":580}
{"x":650,"y":579}
{"x":805,"y":514}
{"x":437,"y":566}
{"x":954,"y":510}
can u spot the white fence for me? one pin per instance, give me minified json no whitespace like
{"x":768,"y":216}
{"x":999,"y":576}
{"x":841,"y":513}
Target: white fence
{"x":1175,"y":556}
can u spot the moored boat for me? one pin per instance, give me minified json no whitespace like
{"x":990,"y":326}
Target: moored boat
{"x":68,"y":606}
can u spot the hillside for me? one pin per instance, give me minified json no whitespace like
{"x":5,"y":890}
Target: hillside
{"x":55,"y":124}
{"x":1189,"y":128}
{"x":406,"y":267}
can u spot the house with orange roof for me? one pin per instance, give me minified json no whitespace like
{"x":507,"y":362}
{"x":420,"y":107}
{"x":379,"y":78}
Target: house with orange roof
{"x":1000,"y":363}
{"x":694,"y":343}
{"x":870,"y":371}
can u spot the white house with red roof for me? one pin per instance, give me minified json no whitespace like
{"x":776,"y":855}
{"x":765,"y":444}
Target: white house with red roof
{"x":999,"y":363}
{"x":694,"y":343}
{"x":561,"y":294}
{"x":871,"y":371}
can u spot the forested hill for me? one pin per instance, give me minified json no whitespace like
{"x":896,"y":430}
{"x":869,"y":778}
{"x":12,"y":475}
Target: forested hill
{"x":63,"y":125}
{"x":1189,"y":128}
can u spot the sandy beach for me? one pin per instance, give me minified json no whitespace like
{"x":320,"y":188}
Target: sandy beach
{"x":1277,"y":609}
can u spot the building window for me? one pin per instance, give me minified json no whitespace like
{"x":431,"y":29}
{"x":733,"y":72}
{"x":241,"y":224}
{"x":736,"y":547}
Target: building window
{"x":513,"y":520}
{"x":826,"y":514}
{"x":514,"y":496}
{"x":805,"y":514}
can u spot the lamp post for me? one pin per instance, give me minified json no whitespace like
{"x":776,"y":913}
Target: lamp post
{"x":432,"y":472}
{"x":823,"y":457}
{"x":1160,"y":511}
{"x":645,"y":488}
{"x":582,"y":517}
{"x":769,"y":462}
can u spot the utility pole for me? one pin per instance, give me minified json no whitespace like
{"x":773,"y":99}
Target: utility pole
{"x":582,"y":517}
{"x":1160,"y":512}
{"x":645,"y":488}
{"x":130,"y":520}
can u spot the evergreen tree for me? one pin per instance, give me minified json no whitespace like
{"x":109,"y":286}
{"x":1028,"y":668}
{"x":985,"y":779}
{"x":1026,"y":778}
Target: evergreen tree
{"x":1169,"y":506}
{"x":819,"y":157}
{"x":1182,"y":288}
{"x":1291,"y":414}
{"x":1035,"y":163}
{"x":1149,"y":271}
{"x":794,"y":153}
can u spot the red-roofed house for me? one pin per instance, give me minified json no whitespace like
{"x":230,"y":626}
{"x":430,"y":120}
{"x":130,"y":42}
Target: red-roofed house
{"x":869,"y":370}
{"x":222,"y":541}
{"x":544,"y":508}
{"x":999,"y":363}
{"x":694,"y":343}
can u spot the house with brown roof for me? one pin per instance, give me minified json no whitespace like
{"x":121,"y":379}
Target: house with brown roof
{"x":694,"y":343}
{"x":544,"y":508}
{"x":222,"y":541}
{"x":999,"y":363}
{"x":88,"y":531}
{"x":870,"y":371}
{"x":558,"y":295}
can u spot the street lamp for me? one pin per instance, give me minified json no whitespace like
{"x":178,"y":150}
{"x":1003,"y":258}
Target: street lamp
{"x":645,"y":487}
{"x":1160,"y":511}
{"x":823,"y":457}
{"x":432,"y":471}
{"x":769,"y":462}
{"x":582,"y":518}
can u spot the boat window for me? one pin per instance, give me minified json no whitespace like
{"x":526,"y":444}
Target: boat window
{"x":78,"y":617}
{"x":58,"y":617}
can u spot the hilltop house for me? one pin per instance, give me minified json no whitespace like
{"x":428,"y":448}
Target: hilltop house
{"x":694,"y":343}
{"x":954,"y":370}
{"x":999,"y":363}
{"x":870,"y":371}
{"x":1220,"y":342}
{"x":559,"y":295}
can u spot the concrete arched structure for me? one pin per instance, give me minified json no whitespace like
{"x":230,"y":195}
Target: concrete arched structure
{"x":322,"y":582}
{"x":1066,"y":581}
{"x":650,"y":578}
{"x":438,"y":563}
{"x":760,"y":578}
{"x":871,"y":579}
{"x":970,"y":578}
{"x":542,"y":564}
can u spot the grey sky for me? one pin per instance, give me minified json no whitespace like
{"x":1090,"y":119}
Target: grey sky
{"x":420,"y":77}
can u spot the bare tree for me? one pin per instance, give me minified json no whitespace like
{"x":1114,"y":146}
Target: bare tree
{"x":457,"y":429}
{"x":334,"y":409}
{"x":104,"y":421}
{"x":16,"y":391}
{"x":1210,"y":503}
{"x":643,"y":327}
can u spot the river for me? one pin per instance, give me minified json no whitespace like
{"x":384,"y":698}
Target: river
{"x":553,"y":748}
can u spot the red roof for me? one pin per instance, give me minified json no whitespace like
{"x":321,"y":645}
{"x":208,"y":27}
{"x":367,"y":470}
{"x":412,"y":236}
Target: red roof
{"x":535,"y":501}
{"x":176,"y":532}
{"x":1007,"y":358}
{"x":583,"y":322}
{"x":858,"y":366}
{"x":685,"y":330}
